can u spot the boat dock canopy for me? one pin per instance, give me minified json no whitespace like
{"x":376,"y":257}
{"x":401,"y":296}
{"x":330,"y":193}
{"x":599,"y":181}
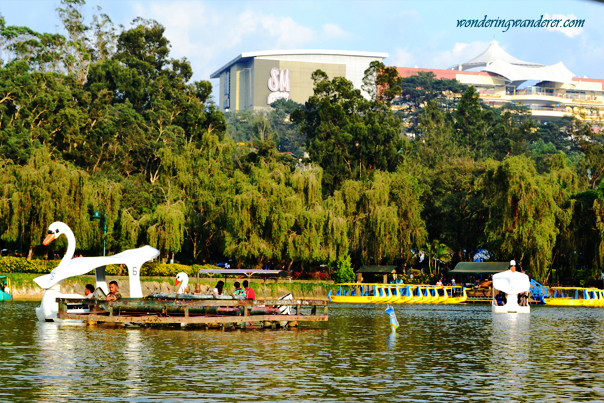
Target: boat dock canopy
{"x":249,"y":273}
{"x":480,"y":267}
{"x":378,"y":269}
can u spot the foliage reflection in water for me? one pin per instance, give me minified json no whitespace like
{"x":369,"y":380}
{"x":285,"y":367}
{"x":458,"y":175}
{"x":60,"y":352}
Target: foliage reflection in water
{"x":439,"y":353}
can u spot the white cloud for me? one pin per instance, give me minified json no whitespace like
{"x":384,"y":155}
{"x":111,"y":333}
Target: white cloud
{"x":333,"y":31}
{"x":210,"y":35}
{"x":570,"y":32}
{"x":461,"y":52}
{"x":286,"y":32}
{"x":402,"y":58}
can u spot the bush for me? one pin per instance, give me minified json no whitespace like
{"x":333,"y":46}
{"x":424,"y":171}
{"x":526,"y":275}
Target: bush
{"x":319,"y":275}
{"x":343,"y":272}
{"x":22,"y":265}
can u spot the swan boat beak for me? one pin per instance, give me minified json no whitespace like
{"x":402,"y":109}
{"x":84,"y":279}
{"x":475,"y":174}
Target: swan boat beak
{"x":177,"y":282}
{"x":49,"y":238}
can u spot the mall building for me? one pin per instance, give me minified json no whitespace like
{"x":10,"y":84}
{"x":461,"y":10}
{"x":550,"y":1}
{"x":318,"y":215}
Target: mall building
{"x":254,"y":80}
{"x":557,"y":92}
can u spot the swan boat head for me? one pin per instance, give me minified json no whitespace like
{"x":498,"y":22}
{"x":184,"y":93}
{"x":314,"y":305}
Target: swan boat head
{"x":61,"y":272}
{"x":183,"y":279}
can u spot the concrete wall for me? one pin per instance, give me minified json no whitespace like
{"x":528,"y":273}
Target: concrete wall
{"x":301,"y":85}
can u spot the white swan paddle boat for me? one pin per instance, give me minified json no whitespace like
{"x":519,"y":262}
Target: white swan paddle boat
{"x":511,"y":283}
{"x":69,"y":267}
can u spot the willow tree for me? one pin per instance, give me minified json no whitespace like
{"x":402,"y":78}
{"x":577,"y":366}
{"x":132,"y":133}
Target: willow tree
{"x":39,"y":193}
{"x":106,"y":197}
{"x":527,"y":211}
{"x":259,"y":214}
{"x":165,"y":227}
{"x":320,"y":231}
{"x":406,"y":195}
{"x":383,"y":216}
{"x":200,"y":172}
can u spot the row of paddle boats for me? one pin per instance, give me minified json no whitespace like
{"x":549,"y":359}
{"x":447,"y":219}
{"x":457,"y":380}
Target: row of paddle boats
{"x":574,"y":296}
{"x":355,"y":293}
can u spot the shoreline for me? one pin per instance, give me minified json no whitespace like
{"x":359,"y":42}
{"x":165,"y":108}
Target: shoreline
{"x":25,"y":289}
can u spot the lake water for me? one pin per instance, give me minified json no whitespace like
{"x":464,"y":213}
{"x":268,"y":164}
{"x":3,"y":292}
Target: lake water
{"x":440,"y":353}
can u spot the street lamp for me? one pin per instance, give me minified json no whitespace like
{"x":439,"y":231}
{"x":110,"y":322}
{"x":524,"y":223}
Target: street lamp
{"x":97,"y":216}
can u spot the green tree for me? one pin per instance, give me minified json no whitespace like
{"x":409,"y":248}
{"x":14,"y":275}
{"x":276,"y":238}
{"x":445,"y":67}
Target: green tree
{"x":527,"y":211}
{"x":344,"y":272}
{"x":346,"y":134}
{"x":39,"y":193}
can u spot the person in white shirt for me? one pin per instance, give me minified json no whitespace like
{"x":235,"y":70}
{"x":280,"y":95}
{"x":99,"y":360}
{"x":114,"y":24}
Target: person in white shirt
{"x":89,"y":291}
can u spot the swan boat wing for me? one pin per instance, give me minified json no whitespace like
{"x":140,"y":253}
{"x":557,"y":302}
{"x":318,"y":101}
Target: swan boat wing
{"x":133,"y":258}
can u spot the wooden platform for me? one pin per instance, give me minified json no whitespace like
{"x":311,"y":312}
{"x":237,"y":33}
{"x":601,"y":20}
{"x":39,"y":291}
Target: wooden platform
{"x":194,"y":311}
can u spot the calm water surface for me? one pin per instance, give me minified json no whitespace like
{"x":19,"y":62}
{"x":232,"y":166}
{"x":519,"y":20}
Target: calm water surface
{"x":440,"y":353}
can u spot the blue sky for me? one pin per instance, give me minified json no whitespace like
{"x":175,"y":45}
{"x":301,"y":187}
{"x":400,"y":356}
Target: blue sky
{"x":414,"y":33}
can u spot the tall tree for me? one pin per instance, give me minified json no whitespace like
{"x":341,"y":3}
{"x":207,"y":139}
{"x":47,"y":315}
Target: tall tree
{"x":346,"y":134}
{"x":527,"y":211}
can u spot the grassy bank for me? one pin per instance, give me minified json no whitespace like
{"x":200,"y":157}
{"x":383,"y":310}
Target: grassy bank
{"x":25,"y":288}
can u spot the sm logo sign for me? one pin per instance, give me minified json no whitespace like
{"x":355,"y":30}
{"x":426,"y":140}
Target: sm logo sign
{"x":278,"y":84}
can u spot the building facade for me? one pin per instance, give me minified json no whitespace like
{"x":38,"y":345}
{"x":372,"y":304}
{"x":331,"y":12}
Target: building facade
{"x":558,"y":92}
{"x":254,"y":80}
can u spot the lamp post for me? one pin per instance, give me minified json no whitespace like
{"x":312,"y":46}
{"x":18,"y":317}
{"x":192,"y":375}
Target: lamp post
{"x":97,"y":216}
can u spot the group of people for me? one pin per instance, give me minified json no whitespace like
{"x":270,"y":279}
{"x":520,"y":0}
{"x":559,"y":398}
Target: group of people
{"x":240,"y":293}
{"x":440,"y":282}
{"x":113,"y":295}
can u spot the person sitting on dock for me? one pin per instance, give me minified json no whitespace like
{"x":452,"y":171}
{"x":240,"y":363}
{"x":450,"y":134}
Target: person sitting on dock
{"x":114,"y":294}
{"x":218,"y":289}
{"x":249,"y":293}
{"x":89,"y":291}
{"x":239,"y":292}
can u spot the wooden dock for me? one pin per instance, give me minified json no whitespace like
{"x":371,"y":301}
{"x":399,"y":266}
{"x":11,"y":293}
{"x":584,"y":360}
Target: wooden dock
{"x":208,"y":312}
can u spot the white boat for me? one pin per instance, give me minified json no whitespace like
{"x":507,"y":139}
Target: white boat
{"x":69,"y":267}
{"x":511,"y":283}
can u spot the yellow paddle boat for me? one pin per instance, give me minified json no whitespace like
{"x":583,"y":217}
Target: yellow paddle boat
{"x":404,"y":294}
{"x":442,"y":295}
{"x":455,"y":294}
{"x":353,"y":293}
{"x":590,"y":296}
{"x":431,"y":295}
{"x":566,"y":296}
{"x":417,"y":295}
{"x":600,"y":294}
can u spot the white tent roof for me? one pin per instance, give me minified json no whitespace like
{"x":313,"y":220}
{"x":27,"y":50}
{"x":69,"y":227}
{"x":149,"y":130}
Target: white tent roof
{"x":498,"y":61}
{"x":557,"y":73}
{"x":493,"y":53}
